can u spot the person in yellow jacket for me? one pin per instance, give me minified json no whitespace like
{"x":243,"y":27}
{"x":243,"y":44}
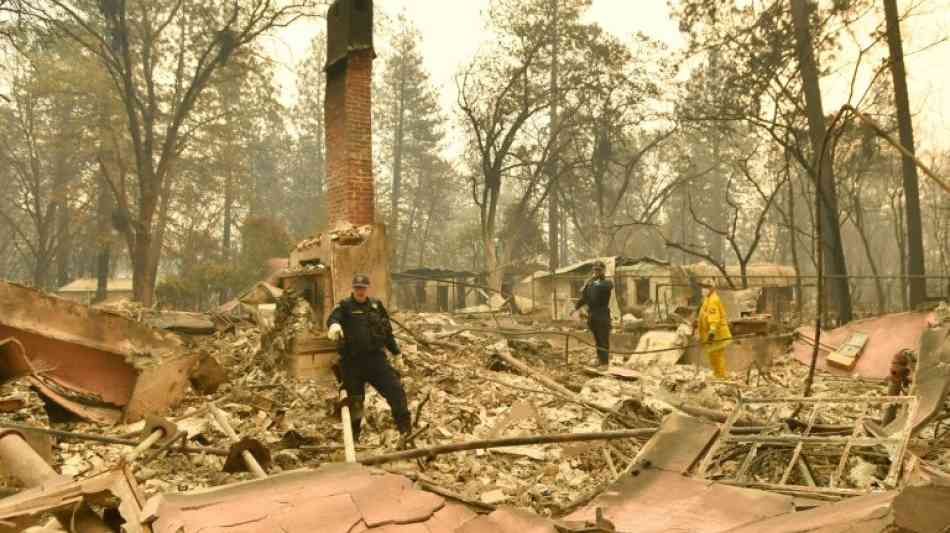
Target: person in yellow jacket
{"x":714,"y":331}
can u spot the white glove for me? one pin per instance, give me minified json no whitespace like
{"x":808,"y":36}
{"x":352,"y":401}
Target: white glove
{"x":335,"y":332}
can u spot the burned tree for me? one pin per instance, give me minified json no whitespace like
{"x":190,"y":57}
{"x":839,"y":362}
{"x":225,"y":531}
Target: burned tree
{"x":160,"y":56}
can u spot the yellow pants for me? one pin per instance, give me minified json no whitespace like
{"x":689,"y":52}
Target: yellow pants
{"x":717,"y":360}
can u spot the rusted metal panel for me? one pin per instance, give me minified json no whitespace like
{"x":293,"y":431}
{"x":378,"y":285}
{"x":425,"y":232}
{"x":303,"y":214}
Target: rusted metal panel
{"x":509,"y":520}
{"x":918,"y":508}
{"x":887,"y":336}
{"x":157,"y":384}
{"x":660,"y":501}
{"x":13,"y":361}
{"x":932,"y":375}
{"x":653,"y":495}
{"x":678,"y":444}
{"x":333,"y":498}
{"x":98,"y":365}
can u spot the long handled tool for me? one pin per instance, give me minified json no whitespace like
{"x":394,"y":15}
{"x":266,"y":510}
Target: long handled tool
{"x":157,"y":430}
{"x":248,"y":449}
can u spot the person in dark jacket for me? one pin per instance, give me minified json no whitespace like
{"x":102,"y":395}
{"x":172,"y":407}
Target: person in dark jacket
{"x":360,"y":324}
{"x":596,"y":296}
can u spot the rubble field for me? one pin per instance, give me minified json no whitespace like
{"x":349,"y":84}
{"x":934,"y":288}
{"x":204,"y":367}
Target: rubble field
{"x":461,"y":388}
{"x":478,"y":377}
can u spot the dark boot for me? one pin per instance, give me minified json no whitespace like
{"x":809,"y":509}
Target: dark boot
{"x":403,"y":424}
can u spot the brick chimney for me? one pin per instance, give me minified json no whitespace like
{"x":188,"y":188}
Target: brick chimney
{"x":348,"y":113}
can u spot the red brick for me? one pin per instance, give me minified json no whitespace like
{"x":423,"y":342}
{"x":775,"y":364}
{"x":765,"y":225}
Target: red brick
{"x":349,"y":142}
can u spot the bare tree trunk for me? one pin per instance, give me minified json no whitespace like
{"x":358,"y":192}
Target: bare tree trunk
{"x":563,"y":238}
{"x":143,"y":287}
{"x":104,"y":205}
{"x":63,"y":243}
{"x":554,"y":224}
{"x":228,"y":201}
{"x":835,"y":266}
{"x":103,"y":257}
{"x":793,"y":248}
{"x":146,"y":244}
{"x":41,"y":269}
{"x":900,"y":237}
{"x":158,"y":235}
{"x":404,"y":254}
{"x":425,"y":233}
{"x":398,"y":142}
{"x":915,"y":239}
{"x":496,"y":275}
{"x":869,"y":255}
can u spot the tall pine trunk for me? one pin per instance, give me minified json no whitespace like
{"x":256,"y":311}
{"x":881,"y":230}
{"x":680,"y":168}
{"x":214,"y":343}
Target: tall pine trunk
{"x":554,"y":223}
{"x":835,"y":265}
{"x":398,"y":143}
{"x":915,"y":238}
{"x":103,"y":236}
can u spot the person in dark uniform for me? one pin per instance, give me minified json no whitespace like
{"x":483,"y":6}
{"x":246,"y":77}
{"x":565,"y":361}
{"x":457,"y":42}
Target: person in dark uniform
{"x":362,"y":324}
{"x":596,"y":296}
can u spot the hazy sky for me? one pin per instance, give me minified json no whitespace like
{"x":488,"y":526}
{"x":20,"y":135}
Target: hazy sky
{"x":453,"y":30}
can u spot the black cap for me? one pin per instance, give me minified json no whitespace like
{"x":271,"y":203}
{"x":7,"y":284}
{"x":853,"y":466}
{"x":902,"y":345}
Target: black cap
{"x":360,"y":280}
{"x":599,"y":264}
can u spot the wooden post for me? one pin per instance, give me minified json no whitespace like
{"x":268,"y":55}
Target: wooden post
{"x":349,"y":446}
{"x":20,"y":461}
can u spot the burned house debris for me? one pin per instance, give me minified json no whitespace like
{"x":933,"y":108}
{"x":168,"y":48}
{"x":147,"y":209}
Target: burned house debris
{"x":119,"y":417}
{"x":90,"y":363}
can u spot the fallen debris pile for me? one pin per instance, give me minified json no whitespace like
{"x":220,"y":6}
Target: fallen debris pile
{"x":90,"y":364}
{"x":477,"y":379}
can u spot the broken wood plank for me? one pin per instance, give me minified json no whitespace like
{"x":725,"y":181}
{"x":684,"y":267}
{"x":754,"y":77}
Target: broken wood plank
{"x":111,"y":440}
{"x":754,"y":451}
{"x":795,"y":489}
{"x":792,"y":439}
{"x":798,"y":446}
{"x":349,"y":445}
{"x":837,"y":399}
{"x":843,"y":462}
{"x":539,"y":376}
{"x":846,"y":355}
{"x":22,"y":463}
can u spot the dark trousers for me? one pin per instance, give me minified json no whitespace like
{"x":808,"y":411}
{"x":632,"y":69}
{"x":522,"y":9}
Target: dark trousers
{"x":375,"y":370}
{"x":600,"y":328}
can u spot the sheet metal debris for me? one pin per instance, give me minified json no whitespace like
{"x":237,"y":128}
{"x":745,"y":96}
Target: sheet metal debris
{"x":919,"y":507}
{"x":791,"y":443}
{"x":659,"y":501}
{"x":454,"y":397}
{"x":887,"y":336}
{"x":335,"y":497}
{"x":96,"y":365}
